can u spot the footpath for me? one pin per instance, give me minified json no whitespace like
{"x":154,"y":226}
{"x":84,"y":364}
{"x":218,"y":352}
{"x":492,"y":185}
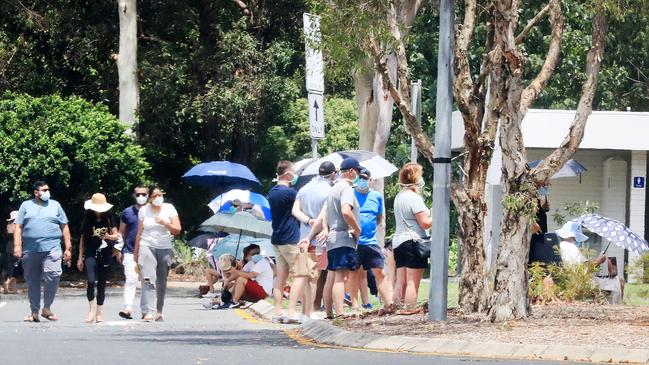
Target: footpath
{"x":324,"y":332}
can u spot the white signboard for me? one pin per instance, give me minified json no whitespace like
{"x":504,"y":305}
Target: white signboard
{"x":314,"y":63}
{"x":316,"y":115}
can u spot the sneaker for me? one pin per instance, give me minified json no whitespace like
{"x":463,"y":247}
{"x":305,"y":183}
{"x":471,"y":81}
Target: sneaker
{"x":295,"y":318}
{"x":210,"y":295}
{"x":348,"y":299}
{"x":235,"y":305}
{"x":226,"y":305}
{"x":208,"y":304}
{"x":277,"y":319}
{"x":368,"y":306}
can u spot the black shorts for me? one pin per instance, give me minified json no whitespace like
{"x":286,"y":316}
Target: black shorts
{"x":406,"y":256}
{"x":370,"y":256}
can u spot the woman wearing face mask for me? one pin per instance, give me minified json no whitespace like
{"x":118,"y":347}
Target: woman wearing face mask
{"x":255,"y":281}
{"x":158,"y":223}
{"x":99,"y":230}
{"x":413,"y":219}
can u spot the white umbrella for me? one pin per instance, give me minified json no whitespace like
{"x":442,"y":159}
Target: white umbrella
{"x":377,"y":165}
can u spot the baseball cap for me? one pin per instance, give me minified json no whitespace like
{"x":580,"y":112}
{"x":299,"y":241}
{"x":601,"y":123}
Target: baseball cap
{"x":326,"y":168}
{"x":12,"y":216}
{"x":350,"y":163}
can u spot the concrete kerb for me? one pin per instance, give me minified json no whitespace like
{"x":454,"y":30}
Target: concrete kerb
{"x":326,"y":333}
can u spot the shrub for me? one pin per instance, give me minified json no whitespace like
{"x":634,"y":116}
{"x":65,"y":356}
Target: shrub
{"x":187,"y":261}
{"x":79,"y":148}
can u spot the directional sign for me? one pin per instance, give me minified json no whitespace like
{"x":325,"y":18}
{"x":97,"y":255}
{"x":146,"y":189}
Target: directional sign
{"x":314,"y":63}
{"x":638,"y":182}
{"x":316,"y":115}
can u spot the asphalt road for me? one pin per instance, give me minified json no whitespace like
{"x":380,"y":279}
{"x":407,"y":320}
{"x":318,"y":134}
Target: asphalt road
{"x":189,"y":335}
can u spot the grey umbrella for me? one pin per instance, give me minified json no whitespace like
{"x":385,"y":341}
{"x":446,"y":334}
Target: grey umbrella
{"x":241,"y":223}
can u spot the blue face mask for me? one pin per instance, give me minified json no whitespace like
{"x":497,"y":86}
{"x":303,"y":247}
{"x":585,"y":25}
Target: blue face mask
{"x":294,"y":180}
{"x":362,"y":185}
{"x":256,"y":258}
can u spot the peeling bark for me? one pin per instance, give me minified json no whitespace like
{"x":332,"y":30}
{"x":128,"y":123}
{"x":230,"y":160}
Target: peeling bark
{"x":129,"y":92}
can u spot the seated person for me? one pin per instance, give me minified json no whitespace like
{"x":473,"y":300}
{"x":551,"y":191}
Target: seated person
{"x":255,"y":281}
{"x":222,"y":272}
{"x":570,"y":234}
{"x":214,"y":272}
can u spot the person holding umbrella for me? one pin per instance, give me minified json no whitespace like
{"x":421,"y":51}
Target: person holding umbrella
{"x":158,"y":223}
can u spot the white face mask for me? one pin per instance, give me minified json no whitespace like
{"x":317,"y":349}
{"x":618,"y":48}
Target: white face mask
{"x":158,"y":201}
{"x":141,"y":200}
{"x":45,"y":196}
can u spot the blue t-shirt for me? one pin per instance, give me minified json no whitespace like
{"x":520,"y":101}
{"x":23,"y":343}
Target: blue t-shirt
{"x":286,"y":228}
{"x":371,"y":207}
{"x":41,"y":225}
{"x":129,"y":218}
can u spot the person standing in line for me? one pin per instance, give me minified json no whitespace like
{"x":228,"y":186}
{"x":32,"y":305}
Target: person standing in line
{"x":158,"y":224}
{"x":341,"y":217}
{"x":40,"y":225}
{"x":291,"y":258}
{"x":369,"y":251}
{"x":128,"y":230}
{"x":11,"y":263}
{"x":413,"y":219}
{"x":98,"y":231}
{"x":308,"y":204}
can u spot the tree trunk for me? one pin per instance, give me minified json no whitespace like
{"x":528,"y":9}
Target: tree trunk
{"x":129,"y":93}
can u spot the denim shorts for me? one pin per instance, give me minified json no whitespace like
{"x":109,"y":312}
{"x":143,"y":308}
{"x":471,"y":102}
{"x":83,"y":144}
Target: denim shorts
{"x":370,"y":256}
{"x":342,"y":258}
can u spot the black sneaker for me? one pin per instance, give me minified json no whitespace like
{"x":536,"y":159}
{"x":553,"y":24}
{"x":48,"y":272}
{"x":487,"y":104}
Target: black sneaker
{"x":236,"y":305}
{"x":226,"y":305}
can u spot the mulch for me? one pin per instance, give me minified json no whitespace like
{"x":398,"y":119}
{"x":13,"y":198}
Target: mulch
{"x":558,"y":323}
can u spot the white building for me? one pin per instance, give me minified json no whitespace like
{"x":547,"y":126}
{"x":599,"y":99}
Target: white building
{"x":614,"y":152}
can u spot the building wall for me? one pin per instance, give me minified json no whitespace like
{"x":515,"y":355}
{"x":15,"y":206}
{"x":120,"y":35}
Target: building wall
{"x":637,"y":205}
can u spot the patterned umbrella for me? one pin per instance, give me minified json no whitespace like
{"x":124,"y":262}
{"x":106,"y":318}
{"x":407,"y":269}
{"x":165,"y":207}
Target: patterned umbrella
{"x":614,"y":231}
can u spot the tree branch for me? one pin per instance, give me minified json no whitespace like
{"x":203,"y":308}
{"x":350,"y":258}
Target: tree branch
{"x":531,"y":24}
{"x":244,"y":8}
{"x":551,"y":164}
{"x":537,"y":85}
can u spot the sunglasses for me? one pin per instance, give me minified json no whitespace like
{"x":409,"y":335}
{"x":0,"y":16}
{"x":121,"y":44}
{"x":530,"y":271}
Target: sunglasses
{"x":141,"y":194}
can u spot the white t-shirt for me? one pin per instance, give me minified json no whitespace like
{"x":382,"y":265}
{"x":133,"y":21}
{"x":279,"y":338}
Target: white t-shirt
{"x":570,"y":254}
{"x":156,"y":235}
{"x":264,"y":273}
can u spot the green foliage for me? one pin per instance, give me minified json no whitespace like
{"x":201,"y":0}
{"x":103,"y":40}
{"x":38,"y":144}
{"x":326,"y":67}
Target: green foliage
{"x":78,"y":147}
{"x":186,"y":262}
{"x":640,"y":267}
{"x":573,"y":210}
{"x":569,"y":283}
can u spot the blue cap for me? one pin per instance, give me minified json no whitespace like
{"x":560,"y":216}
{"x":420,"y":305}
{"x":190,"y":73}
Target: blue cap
{"x":350,"y":163}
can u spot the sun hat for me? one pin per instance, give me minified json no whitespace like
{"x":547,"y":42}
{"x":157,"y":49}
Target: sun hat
{"x":225,"y":262}
{"x":12,"y":216}
{"x":326,"y":168}
{"x":350,"y":163}
{"x":572,"y":229}
{"x":97,"y":203}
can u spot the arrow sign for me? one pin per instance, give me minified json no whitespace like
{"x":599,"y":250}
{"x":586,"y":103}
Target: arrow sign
{"x":316,"y":115}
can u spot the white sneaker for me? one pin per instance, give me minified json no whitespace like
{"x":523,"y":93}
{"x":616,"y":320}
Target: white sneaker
{"x":210,"y":295}
{"x":207,"y":303}
{"x":295,"y":318}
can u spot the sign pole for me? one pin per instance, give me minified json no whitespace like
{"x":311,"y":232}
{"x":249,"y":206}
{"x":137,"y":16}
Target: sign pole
{"x":314,"y":80}
{"x":442,"y":169}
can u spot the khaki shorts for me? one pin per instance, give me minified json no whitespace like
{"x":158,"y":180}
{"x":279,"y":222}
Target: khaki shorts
{"x":299,"y":264}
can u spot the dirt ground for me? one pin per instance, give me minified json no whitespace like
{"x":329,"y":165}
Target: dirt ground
{"x":567,"y":324}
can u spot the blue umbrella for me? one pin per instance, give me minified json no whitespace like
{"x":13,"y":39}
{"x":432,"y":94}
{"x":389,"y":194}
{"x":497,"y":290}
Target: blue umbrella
{"x":223,"y":202}
{"x":614,"y":231}
{"x":234,"y":245}
{"x":570,"y":169}
{"x":222,"y":173}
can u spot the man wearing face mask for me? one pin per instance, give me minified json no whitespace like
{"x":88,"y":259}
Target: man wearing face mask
{"x":255,"y":281}
{"x":308,"y":204}
{"x":291,"y":258}
{"x":128,"y":231}
{"x":40,"y":224}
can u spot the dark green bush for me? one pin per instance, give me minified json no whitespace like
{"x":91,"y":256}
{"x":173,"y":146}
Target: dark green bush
{"x":79,"y":148}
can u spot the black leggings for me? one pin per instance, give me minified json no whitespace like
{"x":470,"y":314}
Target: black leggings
{"x":97,"y":271}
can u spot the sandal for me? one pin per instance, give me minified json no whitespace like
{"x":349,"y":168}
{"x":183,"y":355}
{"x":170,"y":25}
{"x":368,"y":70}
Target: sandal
{"x":125,"y":315}
{"x":32,"y":318}
{"x":159,"y":318}
{"x":49,"y":316}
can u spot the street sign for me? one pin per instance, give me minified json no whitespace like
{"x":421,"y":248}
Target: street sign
{"x":638,"y":182}
{"x":314,"y":63}
{"x":316,"y":115}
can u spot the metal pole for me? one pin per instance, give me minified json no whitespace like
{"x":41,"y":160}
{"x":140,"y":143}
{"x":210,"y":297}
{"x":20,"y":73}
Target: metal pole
{"x":314,"y":148}
{"x":442,"y":168}
{"x":416,"y":108}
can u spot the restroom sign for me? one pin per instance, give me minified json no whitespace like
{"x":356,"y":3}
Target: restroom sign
{"x":638,"y":182}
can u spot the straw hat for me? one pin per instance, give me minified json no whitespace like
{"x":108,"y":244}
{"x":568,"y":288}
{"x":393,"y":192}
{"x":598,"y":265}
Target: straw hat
{"x":12,"y":216}
{"x":97,"y":203}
